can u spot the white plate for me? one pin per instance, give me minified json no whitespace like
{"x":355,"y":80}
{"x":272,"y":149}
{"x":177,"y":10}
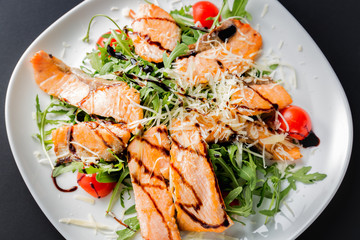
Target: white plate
{"x":318,"y":91}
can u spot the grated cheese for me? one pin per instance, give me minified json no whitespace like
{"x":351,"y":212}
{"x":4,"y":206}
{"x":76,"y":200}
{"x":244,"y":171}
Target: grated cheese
{"x":91,"y":223}
{"x":85,"y":199}
{"x":265,"y":10}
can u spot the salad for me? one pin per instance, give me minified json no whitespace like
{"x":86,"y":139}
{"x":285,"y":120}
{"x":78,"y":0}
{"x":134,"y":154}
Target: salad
{"x":176,"y":108}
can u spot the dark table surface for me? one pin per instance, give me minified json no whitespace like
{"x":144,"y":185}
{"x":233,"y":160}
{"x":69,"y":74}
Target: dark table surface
{"x":333,"y":24}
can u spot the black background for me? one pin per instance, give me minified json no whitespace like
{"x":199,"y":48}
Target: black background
{"x":333,"y":24}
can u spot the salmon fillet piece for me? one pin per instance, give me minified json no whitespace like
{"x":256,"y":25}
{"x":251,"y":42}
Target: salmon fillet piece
{"x":259,"y":98}
{"x":89,"y":141}
{"x":283,"y":150}
{"x":197,"y":197}
{"x":154,"y":31}
{"x":149,"y":160}
{"x":93,"y":95}
{"x":231,"y":47}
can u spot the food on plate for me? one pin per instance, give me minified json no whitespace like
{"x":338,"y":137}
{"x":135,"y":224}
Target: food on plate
{"x":296,"y":121}
{"x":231,"y":47}
{"x":93,"y":95}
{"x":90,"y":141}
{"x":197,"y":196}
{"x":275,"y":144}
{"x":96,"y":189}
{"x":260,"y":98}
{"x":182,"y":114}
{"x":203,"y":10}
{"x":149,"y":163}
{"x":154,"y":31}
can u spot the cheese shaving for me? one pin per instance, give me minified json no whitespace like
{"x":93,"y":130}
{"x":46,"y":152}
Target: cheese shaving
{"x":85,"y":199}
{"x":87,"y":224}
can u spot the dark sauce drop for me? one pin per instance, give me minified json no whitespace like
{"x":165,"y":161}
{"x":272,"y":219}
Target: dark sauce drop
{"x":114,"y":54}
{"x":227,"y":33}
{"x":310,"y":141}
{"x":147,"y":69}
{"x":133,"y":61}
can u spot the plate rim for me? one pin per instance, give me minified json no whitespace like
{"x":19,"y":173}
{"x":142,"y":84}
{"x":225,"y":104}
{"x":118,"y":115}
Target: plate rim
{"x":80,"y":5}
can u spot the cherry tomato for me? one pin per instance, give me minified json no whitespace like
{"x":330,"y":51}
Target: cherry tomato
{"x":102,"y":40}
{"x":96,"y":189}
{"x":203,"y":10}
{"x":298,"y":120}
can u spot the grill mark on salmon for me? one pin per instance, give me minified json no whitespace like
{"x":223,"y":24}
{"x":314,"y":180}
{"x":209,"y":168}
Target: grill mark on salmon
{"x":135,"y":181}
{"x":154,"y":31}
{"x":154,"y":18}
{"x":259,"y":98}
{"x":154,"y":43}
{"x":146,"y":170}
{"x":89,"y":140}
{"x":149,"y":162}
{"x":225,"y":223}
{"x":199,"y":205}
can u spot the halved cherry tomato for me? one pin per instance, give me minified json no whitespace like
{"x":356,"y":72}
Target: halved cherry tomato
{"x":203,"y":10}
{"x":96,"y":189}
{"x":298,"y":120}
{"x":102,"y":40}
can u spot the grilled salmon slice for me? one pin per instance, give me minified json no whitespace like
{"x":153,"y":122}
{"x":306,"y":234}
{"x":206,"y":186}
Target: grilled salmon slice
{"x":231,"y":47}
{"x":149,"y":161}
{"x":259,"y":98}
{"x":280,"y":149}
{"x":90,"y":141}
{"x":197,"y":197}
{"x":154,"y":31}
{"x":94,"y":95}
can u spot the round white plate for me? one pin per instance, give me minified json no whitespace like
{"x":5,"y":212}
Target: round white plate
{"x":318,"y":91}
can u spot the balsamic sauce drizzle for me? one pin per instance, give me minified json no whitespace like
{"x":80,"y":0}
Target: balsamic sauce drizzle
{"x":74,"y":188}
{"x":199,"y":203}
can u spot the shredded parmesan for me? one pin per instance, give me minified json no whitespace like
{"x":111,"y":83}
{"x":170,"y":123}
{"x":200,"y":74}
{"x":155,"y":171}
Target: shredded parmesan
{"x":85,"y":199}
{"x":265,"y":10}
{"x":273,"y":139}
{"x":91,"y":223}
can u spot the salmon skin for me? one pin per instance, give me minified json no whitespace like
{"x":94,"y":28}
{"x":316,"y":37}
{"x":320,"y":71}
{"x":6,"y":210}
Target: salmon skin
{"x":231,"y":47}
{"x":154,"y":32}
{"x":149,"y":160}
{"x":93,"y":95}
{"x":197,"y":197}
{"x":89,"y":141}
{"x":255,"y":99}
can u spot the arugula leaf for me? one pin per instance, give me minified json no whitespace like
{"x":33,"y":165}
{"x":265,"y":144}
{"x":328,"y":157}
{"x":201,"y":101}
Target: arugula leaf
{"x":190,"y":36}
{"x":123,"y":175}
{"x":232,"y":195}
{"x":130,"y":210}
{"x":182,"y":16}
{"x":105,"y":177}
{"x":73,"y":166}
{"x":180,"y":49}
{"x":246,"y":204}
{"x":248,"y":172}
{"x":237,"y":10}
{"x":127,"y":233}
{"x":302,"y":176}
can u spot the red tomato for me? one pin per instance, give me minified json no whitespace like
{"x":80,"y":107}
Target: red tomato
{"x":298,"y":120}
{"x":102,"y":40}
{"x":94,"y":188}
{"x":203,"y":10}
